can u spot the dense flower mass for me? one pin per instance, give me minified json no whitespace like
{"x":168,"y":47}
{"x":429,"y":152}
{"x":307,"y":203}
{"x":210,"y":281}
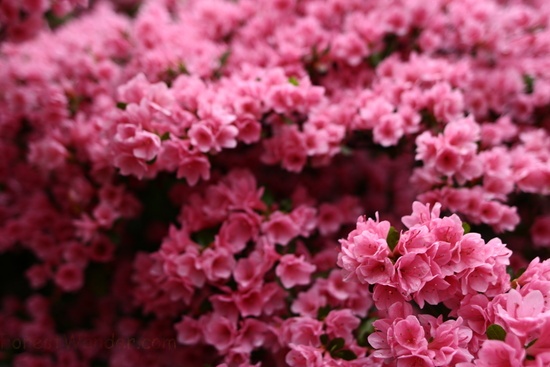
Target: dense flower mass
{"x":337,"y":183}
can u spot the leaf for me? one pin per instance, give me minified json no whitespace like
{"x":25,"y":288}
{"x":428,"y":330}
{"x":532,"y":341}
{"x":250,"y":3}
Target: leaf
{"x":335,"y":344}
{"x":292,"y":80}
{"x":365,"y":329}
{"x":345,"y":150}
{"x":224,"y":58}
{"x":375,"y":59}
{"x":323,"y":312}
{"x":324,"y":339}
{"x":345,"y":354}
{"x":288,"y":120}
{"x":121,"y":105}
{"x":268,"y":197}
{"x":165,"y":136}
{"x":182,"y":68}
{"x":466,"y":227}
{"x":529,"y":83}
{"x":531,"y":343}
{"x":222,"y":63}
{"x":496,"y":332}
{"x":392,"y":238}
{"x":205,"y":306}
{"x":206,"y":236}
{"x":285,"y":205}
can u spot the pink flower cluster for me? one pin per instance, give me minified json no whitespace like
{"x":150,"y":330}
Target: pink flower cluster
{"x":489,"y":319}
{"x":432,"y":262}
{"x":176,"y":177}
{"x":23,"y":20}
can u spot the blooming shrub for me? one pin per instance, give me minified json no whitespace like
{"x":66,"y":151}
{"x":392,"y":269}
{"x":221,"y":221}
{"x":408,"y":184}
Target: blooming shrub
{"x":310,"y":183}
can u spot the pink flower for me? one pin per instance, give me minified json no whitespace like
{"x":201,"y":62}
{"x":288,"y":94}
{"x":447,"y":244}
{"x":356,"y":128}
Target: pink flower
{"x":309,"y":302}
{"x":146,"y":145}
{"x":414,"y":361}
{"x":349,"y":48}
{"x":192,"y":167}
{"x":252,"y":334}
{"x":470,"y":252}
{"x":280,"y":228}
{"x":250,"y":302}
{"x":101,"y":250}
{"x":341,"y":323}
{"x":188,"y":267}
{"x":365,"y":253}
{"x":304,"y":217}
{"x":217,"y":264}
{"x":473,"y":309}
{"x":48,"y":153}
{"x":409,"y":334}
{"x":421,"y":214}
{"x":189,"y":331}
{"x":329,"y":219}
{"x":304,"y":356}
{"x":384,"y":296}
{"x":521,"y":313}
{"x":301,"y":330}
{"x":202,"y":137}
{"x":249,"y":129}
{"x":237,"y":230}
{"x":412,"y":271}
{"x":69,"y":277}
{"x":250,"y":270}
{"x":509,"y":353}
{"x":448,"y":161}
{"x":130,"y":165}
{"x":388,"y":130}
{"x":38,"y":275}
{"x":219,"y":332}
{"x":294,"y":270}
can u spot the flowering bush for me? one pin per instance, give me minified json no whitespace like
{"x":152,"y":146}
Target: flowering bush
{"x":230,"y":183}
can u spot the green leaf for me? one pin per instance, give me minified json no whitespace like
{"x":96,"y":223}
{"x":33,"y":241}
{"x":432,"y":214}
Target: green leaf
{"x":182,"y":68}
{"x":375,"y":59}
{"x":466,"y":227}
{"x":345,"y":354}
{"x":288,"y":120}
{"x":224,"y":58}
{"x":324,"y":339}
{"x":531,"y":343}
{"x":392,"y":238}
{"x":323,"y":312}
{"x":165,"y":136}
{"x":496,"y":332}
{"x":510,"y":272}
{"x":222,"y":62}
{"x":286,"y":205}
{"x":205,"y":306}
{"x":428,"y":118}
{"x":365,"y":329}
{"x":335,"y":344}
{"x":291,"y":247}
{"x":345,"y":150}
{"x":121,"y":105}
{"x":293,"y":80}
{"x":268,"y":197}
{"x":55,"y":21}
{"x":529,"y":83}
{"x":206,"y":236}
